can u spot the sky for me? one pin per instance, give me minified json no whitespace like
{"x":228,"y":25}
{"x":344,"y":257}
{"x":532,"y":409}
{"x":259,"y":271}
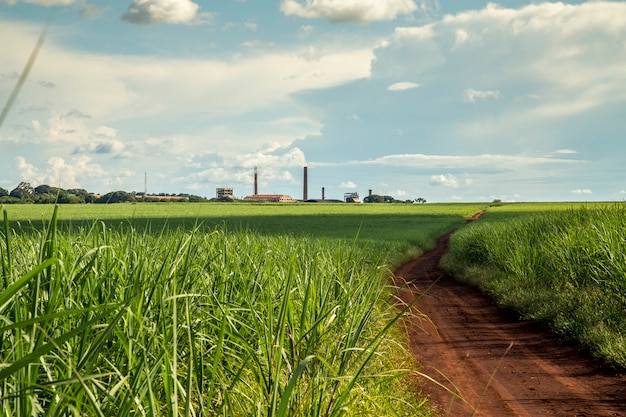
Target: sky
{"x":445,"y":100}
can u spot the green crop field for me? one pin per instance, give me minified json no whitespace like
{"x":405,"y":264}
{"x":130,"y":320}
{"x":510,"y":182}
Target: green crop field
{"x":563,"y":264}
{"x":397,"y":228}
{"x":208,"y":309}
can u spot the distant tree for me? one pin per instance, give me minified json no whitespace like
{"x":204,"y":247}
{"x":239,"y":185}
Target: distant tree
{"x":3,"y":192}
{"x":375,"y":198}
{"x":420,"y":200}
{"x":45,"y":199}
{"x":10,"y":200}
{"x":196,"y":198}
{"x":116,"y":197}
{"x":45,"y":189}
{"x":83,"y":195}
{"x":24,"y":191}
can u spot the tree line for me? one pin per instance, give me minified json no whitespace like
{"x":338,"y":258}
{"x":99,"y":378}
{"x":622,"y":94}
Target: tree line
{"x":375,"y":198}
{"x":46,"y":194}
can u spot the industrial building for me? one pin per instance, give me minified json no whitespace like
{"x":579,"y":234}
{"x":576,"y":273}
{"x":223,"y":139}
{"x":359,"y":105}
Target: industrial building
{"x":274,"y":198}
{"x":222,"y":193}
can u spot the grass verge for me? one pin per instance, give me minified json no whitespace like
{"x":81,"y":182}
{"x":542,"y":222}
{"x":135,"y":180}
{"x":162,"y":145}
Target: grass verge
{"x":562,"y":267}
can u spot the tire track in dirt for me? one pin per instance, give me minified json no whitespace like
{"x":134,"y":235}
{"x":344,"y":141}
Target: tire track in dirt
{"x":482,"y":353}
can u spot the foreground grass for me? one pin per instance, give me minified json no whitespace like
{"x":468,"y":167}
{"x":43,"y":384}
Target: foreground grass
{"x":110,"y":319}
{"x":564,"y":265}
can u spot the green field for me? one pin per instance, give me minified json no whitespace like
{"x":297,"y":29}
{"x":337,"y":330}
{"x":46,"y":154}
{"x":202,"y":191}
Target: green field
{"x":208,"y":309}
{"x":396,"y":228}
{"x":561,"y":264}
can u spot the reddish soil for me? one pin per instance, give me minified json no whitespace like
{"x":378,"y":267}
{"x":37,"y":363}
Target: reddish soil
{"x":497,"y":365}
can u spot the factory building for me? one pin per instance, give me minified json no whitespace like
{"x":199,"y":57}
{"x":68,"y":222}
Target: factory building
{"x":222,"y":193}
{"x":274,"y":198}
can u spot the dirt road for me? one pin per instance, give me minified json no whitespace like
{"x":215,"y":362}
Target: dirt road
{"x":499,"y":366}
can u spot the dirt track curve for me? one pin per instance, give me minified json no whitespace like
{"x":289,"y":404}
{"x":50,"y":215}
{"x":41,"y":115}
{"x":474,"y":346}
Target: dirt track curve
{"x":500,"y":366}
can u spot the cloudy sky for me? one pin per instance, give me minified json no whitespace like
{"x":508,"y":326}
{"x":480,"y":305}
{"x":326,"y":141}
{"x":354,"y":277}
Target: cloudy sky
{"x":441,"y":99}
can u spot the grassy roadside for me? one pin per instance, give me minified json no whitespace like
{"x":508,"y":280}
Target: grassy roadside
{"x":112,"y":317}
{"x":563,"y":265}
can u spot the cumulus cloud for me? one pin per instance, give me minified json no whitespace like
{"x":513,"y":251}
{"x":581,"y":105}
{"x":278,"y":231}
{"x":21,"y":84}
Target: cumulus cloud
{"x":582,"y":191}
{"x":273,"y":167}
{"x":449,"y":180}
{"x":108,"y":88}
{"x":402,"y":86}
{"x":58,"y":172}
{"x":348,"y":184}
{"x":269,"y":158}
{"x":147,"y":12}
{"x":470,"y":95}
{"x":559,"y":69}
{"x":348,"y":10}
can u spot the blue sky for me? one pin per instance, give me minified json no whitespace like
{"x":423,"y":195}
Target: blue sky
{"x":445,"y":100}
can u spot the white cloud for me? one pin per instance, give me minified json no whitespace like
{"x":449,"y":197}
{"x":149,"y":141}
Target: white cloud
{"x":565,"y":152}
{"x":59,"y":173}
{"x":147,"y":12}
{"x":449,"y":180}
{"x":105,"y":89}
{"x":582,"y":191}
{"x":348,"y":10}
{"x":402,"y":86}
{"x":257,"y":44}
{"x":461,"y":38}
{"x":470,"y":95}
{"x":569,"y":58}
{"x":272,"y":167}
{"x":485,"y":161}
{"x":348,"y":184}
{"x":264,"y":157}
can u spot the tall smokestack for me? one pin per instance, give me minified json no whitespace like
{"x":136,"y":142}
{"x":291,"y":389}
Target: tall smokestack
{"x":323,"y":193}
{"x":305,"y":191}
{"x":256,"y":182}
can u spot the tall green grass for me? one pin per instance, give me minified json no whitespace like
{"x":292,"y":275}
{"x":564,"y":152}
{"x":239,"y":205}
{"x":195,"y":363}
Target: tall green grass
{"x":208,"y":321}
{"x":564,"y":267}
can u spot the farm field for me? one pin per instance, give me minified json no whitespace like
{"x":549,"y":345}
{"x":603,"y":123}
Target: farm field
{"x":397,"y":228}
{"x":207,"y":309}
{"x":560,"y":264}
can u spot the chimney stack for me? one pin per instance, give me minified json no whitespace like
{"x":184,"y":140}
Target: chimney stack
{"x":322,"y":193}
{"x":305,"y":191}
{"x":256,"y":182}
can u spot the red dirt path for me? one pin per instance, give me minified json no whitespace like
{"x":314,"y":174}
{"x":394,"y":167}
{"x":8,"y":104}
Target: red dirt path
{"x":464,"y":340}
